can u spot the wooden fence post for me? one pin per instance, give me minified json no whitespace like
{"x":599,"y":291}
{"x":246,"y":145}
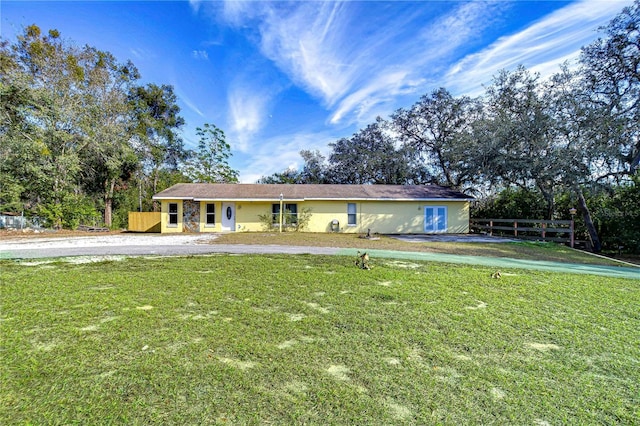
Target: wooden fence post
{"x":491,"y":228}
{"x":571,"y":233}
{"x":515,"y":228}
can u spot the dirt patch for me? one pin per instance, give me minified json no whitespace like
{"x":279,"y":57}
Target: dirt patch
{"x":480,"y":305}
{"x":392,"y":361}
{"x":404,"y":265}
{"x":296,"y":317}
{"x":317,"y":307}
{"x":543,"y":347}
{"x":236,"y":363}
{"x":398,"y":411}
{"x":287,"y":344}
{"x":144,"y":308}
{"x":497,"y":393}
{"x":339,"y":372}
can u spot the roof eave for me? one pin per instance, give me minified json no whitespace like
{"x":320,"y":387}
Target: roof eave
{"x":165,"y":197}
{"x":387,"y":199}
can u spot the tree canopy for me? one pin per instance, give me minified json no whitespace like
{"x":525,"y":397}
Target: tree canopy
{"x":573,"y":135}
{"x":80,"y":137}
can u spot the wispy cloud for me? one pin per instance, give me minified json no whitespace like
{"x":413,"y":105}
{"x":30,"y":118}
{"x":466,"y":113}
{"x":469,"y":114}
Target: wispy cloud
{"x":141,"y":54}
{"x":200,"y":55}
{"x":247,"y":112}
{"x":189,"y":104}
{"x":415,"y":61}
{"x":265,"y":160}
{"x":358,"y":67}
{"x":542,"y":47}
{"x":195,"y":5}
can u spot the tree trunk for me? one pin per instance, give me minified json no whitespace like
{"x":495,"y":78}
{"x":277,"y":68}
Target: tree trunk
{"x":550,"y":203}
{"x":586,"y":214}
{"x":156,"y":204}
{"x":108,"y":202}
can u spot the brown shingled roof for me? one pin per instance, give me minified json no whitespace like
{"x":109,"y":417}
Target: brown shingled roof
{"x":231,"y":192}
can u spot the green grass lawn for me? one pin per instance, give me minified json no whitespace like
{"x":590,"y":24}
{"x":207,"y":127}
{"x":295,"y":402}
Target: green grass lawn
{"x":309,"y":339}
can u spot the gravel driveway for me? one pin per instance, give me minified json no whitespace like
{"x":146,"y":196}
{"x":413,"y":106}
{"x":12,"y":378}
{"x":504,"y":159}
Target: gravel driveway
{"x":136,"y":245}
{"x":191,"y":244}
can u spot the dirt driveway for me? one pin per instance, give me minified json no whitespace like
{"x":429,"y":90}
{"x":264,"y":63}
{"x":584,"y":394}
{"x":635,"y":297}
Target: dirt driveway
{"x":136,"y":245}
{"x":193,"y":244}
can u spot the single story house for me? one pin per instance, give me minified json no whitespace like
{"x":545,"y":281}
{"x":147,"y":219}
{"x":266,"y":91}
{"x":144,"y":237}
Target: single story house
{"x":385,"y":209}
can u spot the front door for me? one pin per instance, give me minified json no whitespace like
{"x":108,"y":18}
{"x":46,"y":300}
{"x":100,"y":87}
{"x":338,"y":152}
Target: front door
{"x":435,"y":219}
{"x":228,"y":217}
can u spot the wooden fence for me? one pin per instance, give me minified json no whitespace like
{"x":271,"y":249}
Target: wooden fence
{"x":144,"y":222}
{"x":561,"y":231}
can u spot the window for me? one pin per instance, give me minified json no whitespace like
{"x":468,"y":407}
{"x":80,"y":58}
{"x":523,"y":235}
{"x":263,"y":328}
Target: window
{"x":289,"y":216}
{"x":210,"y":219}
{"x":435,"y":219}
{"x":351,"y":214}
{"x":173,"y":214}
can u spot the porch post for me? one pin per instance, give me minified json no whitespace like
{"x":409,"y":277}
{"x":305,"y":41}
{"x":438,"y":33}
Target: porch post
{"x":281,"y":197}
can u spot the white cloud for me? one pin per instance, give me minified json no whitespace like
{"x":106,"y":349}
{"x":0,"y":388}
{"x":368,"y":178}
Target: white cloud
{"x":359,"y":67}
{"x":188,"y":102}
{"x":307,"y":43}
{"x":542,"y":47}
{"x":195,"y":5}
{"x":276,"y":154}
{"x":142,"y":54}
{"x":247,"y":112}
{"x":200,"y":54}
{"x":422,"y":57}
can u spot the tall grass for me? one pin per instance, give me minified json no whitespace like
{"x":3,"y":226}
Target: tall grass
{"x":311,"y":339}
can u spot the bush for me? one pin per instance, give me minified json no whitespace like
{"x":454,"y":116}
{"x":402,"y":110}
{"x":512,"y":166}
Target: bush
{"x":73,"y":211}
{"x":290,"y":221}
{"x":511,"y":203}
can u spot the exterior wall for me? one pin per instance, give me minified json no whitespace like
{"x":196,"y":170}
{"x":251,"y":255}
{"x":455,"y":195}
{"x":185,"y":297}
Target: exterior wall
{"x":399,"y":217}
{"x":247,"y":215}
{"x":165,"y":228}
{"x":203,"y":217}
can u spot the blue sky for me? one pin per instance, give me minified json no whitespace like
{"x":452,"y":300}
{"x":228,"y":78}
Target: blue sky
{"x":279,"y":77}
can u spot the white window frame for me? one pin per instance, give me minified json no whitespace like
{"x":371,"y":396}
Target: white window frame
{"x":173,"y":214}
{"x":352,"y":214}
{"x":433,"y":228}
{"x":287,"y":207}
{"x":208,"y":214}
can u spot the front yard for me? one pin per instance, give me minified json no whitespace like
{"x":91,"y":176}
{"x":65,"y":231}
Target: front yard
{"x":310,"y":339}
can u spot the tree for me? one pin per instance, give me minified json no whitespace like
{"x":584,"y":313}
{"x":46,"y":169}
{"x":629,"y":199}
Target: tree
{"x":611,"y":72}
{"x":52,"y":72}
{"x":288,"y":176}
{"x":519,"y":146}
{"x":68,"y":114}
{"x":21,"y":141}
{"x":314,"y":169}
{"x":578,"y":153}
{"x":108,"y":157}
{"x":210,"y":163}
{"x":155,"y":136}
{"x":438,"y":127}
{"x":370,"y":157}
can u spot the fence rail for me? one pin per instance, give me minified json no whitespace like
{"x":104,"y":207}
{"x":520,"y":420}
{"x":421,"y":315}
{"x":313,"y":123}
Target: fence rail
{"x":561,"y":231}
